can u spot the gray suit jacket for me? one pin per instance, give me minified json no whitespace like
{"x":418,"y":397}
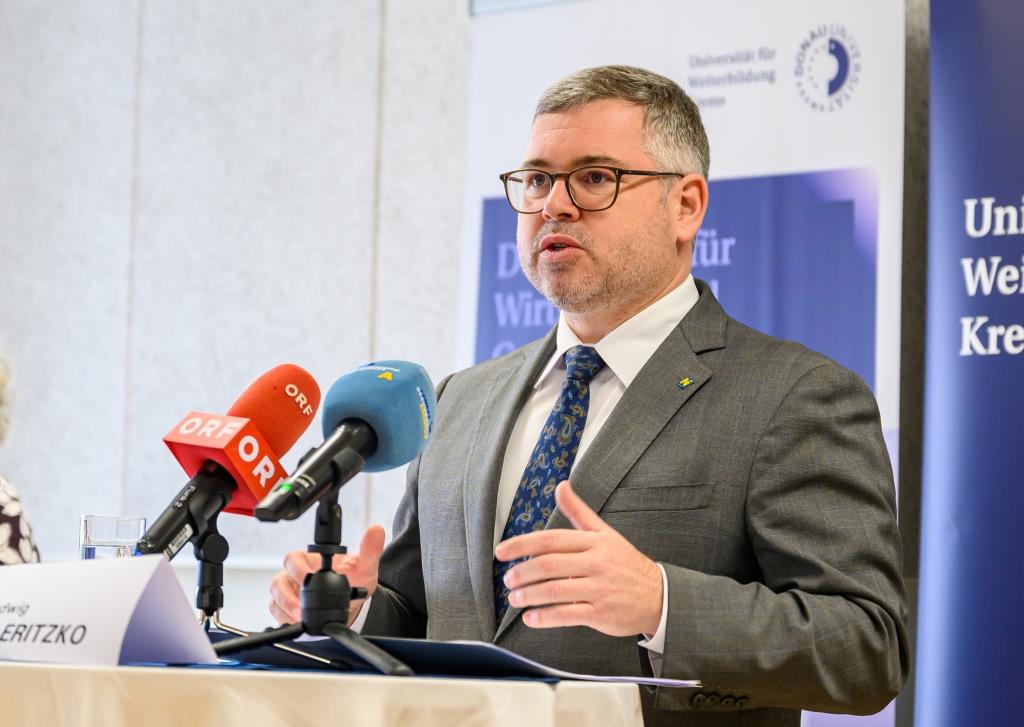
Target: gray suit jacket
{"x":763,"y":487}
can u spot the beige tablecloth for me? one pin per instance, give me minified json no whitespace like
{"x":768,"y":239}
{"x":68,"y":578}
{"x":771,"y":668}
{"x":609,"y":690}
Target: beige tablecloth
{"x":46,"y":694}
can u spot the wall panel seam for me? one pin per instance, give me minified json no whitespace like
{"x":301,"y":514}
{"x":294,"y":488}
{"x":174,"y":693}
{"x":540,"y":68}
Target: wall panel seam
{"x":133,"y":232}
{"x":376,"y":211}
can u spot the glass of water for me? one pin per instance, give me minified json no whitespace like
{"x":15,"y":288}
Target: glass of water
{"x":109,"y":536}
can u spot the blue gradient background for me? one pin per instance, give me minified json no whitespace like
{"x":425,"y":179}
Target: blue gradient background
{"x":803,"y":266}
{"x":971,"y":642}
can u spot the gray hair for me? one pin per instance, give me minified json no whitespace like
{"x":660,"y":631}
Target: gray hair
{"x":674,"y":135}
{"x":4,"y":374}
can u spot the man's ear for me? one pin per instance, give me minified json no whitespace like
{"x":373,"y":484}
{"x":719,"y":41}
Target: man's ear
{"x":690,"y":203}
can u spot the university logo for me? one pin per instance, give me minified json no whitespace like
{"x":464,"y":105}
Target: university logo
{"x":828,"y":66}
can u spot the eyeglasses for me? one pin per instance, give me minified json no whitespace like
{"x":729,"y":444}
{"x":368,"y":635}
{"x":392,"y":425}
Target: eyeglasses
{"x":591,"y":189}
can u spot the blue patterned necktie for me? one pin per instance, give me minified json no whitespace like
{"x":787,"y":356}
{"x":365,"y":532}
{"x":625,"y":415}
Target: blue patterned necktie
{"x":551,"y":459}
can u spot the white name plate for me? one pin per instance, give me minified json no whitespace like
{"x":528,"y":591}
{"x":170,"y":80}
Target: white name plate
{"x":99,"y":612}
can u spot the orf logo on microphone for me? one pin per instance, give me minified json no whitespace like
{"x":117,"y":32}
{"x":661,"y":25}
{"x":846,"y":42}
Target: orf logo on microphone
{"x":828,"y":66}
{"x":234,"y":443}
{"x":295,"y":394}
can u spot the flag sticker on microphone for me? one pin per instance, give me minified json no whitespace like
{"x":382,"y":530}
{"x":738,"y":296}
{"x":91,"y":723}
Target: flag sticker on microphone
{"x":387,"y":376}
{"x":378,"y":367}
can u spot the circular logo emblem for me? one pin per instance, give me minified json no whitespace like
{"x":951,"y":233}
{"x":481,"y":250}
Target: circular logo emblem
{"x":828,"y":67}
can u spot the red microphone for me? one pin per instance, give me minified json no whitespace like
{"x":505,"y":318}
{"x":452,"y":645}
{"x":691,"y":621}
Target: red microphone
{"x":233,"y":459}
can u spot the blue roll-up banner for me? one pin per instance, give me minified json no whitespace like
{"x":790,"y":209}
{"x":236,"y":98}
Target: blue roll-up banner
{"x":761,"y":249}
{"x":803,"y":103}
{"x":970,"y":662}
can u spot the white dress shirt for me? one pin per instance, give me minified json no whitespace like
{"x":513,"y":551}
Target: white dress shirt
{"x":625,"y":351}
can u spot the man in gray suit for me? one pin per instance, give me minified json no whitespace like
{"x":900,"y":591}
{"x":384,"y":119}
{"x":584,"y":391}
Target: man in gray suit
{"x":731,"y":515}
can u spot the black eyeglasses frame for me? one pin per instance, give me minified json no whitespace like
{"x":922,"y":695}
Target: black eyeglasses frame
{"x":555,"y":176}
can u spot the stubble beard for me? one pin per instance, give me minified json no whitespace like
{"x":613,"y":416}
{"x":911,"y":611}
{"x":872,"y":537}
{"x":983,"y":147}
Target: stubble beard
{"x":634,"y":270}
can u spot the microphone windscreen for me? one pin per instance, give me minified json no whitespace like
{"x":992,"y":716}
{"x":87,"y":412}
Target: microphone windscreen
{"x":396,"y":398}
{"x":281,"y":403}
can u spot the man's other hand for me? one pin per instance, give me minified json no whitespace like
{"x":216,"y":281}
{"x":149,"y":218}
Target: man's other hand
{"x":590,"y":576}
{"x":360,"y":569}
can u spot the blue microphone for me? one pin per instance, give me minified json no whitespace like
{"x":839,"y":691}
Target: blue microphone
{"x":375,"y":418}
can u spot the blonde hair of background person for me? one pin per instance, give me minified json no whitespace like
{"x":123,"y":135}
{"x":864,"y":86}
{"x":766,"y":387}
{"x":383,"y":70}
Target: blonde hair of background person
{"x":16,"y":545}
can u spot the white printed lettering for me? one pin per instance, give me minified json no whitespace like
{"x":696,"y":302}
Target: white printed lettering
{"x":1013,"y":342}
{"x":996,"y":339}
{"x":1004,"y":215}
{"x":229,"y":430}
{"x":209,"y":428}
{"x":970,"y":344}
{"x":264,"y":470}
{"x":970,"y":221}
{"x":508,"y":260}
{"x":523,"y":308}
{"x":976,"y":274}
{"x":190,"y":425}
{"x":1008,"y":280}
{"x":299,"y":398}
{"x":248,"y":448}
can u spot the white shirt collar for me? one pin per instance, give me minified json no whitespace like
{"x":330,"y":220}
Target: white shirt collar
{"x":627,"y":348}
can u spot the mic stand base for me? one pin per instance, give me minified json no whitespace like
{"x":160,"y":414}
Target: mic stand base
{"x":270,"y":637}
{"x":211,"y":550}
{"x":342,"y":635}
{"x":215,"y":622}
{"x":325,"y":597}
{"x":369,"y":652}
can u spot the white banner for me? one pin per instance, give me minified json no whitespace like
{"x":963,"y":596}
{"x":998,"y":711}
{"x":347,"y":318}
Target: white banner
{"x":803,"y":105}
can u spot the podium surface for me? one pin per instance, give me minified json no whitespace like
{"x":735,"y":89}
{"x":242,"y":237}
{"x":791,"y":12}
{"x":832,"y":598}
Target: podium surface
{"x":60,"y":694}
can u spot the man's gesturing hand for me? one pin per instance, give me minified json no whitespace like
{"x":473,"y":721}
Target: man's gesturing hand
{"x":590,"y":576}
{"x":360,"y":569}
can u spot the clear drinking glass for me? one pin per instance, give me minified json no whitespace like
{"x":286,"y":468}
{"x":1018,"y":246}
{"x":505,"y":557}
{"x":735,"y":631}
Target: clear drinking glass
{"x":109,"y":536}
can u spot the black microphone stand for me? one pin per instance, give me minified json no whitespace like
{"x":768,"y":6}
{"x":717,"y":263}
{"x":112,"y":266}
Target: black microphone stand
{"x":211,"y":550}
{"x":325,"y":598}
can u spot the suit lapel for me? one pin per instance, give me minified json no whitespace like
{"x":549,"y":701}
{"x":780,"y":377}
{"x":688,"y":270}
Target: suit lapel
{"x":510,"y":390}
{"x":667,"y":381}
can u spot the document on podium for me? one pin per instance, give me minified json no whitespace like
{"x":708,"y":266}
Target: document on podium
{"x":476,"y":659}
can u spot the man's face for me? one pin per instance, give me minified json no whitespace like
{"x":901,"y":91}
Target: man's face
{"x":618,"y":260}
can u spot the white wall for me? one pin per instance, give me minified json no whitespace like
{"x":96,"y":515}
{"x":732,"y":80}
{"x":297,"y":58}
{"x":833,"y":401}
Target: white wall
{"x":192,"y":192}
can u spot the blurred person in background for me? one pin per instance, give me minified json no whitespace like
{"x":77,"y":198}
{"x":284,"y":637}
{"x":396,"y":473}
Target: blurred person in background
{"x":16,"y":545}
